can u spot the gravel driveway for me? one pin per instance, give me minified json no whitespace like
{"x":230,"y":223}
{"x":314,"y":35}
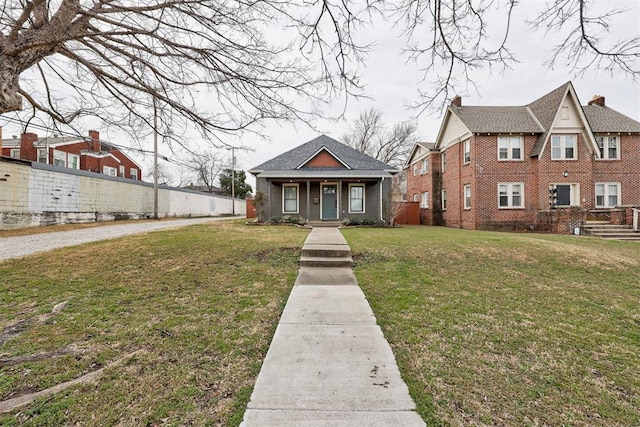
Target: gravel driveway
{"x":14,"y":247}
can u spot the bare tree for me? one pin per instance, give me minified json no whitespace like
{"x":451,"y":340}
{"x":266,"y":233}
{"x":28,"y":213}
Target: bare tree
{"x":207,"y":167}
{"x":369,"y":134}
{"x":452,"y":39}
{"x":203,"y":62}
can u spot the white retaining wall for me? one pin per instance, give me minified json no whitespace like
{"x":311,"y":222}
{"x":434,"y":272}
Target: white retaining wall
{"x":33,"y":194}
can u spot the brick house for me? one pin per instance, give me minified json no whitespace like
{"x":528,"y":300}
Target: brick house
{"x":549,"y":165}
{"x":89,"y":154}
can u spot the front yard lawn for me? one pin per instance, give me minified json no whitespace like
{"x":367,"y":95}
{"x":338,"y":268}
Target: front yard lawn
{"x":188,"y":313}
{"x":508,"y":329}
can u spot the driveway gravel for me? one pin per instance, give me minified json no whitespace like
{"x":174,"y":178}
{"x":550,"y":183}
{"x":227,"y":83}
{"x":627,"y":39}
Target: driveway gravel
{"x":18,"y":246}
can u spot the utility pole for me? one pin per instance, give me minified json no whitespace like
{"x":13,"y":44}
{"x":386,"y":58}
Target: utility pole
{"x":155,"y":159}
{"x":233,"y":180}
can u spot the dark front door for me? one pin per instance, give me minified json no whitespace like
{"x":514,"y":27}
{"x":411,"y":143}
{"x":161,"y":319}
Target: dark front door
{"x":329,"y":201}
{"x":564,"y":195}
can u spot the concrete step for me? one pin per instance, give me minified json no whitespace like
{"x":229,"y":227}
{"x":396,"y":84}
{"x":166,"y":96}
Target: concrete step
{"x":624,"y":238}
{"x":607,"y":227}
{"x":334,"y":251}
{"x":321,"y":261}
{"x":616,"y":235}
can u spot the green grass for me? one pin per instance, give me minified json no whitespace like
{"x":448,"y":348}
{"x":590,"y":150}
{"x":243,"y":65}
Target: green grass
{"x":201,"y":302}
{"x":508,"y":329}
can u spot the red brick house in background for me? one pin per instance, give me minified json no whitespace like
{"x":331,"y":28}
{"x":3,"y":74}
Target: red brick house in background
{"x":549,"y":165}
{"x":89,"y":154}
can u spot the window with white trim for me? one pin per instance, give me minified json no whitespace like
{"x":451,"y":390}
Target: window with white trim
{"x":108,"y":170}
{"x":563,"y":147}
{"x":121,"y":171}
{"x":356,"y":198}
{"x":424,"y":201}
{"x":416,"y":197}
{"x":42,"y":155}
{"x":424,"y":166}
{"x":444,"y":161}
{"x":59,"y":158}
{"x":609,"y":147}
{"x":607,"y":194}
{"x":510,"y":195}
{"x":510,"y":147}
{"x":290,"y":198}
{"x":415,"y":169}
{"x":15,"y":153}
{"x":73,"y":161}
{"x":467,"y":196}
{"x":444,"y":200}
{"x":467,"y":151}
{"x":133,"y":173}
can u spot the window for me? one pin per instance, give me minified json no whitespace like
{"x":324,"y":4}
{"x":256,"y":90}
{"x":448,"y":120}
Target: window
{"x":290,"y":198}
{"x":108,"y":170}
{"x":424,"y":202}
{"x":607,"y":194}
{"x":73,"y":161}
{"x":510,"y":148}
{"x":59,"y":158}
{"x":467,"y":196}
{"x":608,"y":147}
{"x":563,"y":147}
{"x":510,"y":195}
{"x":416,"y":197}
{"x":15,"y":153}
{"x":133,"y":173}
{"x":444,"y":161}
{"x":415,"y":169}
{"x":42,"y":156}
{"x":467,"y":151}
{"x":444,"y":200}
{"x":424,"y":166}
{"x":121,"y":171}
{"x":356,"y":198}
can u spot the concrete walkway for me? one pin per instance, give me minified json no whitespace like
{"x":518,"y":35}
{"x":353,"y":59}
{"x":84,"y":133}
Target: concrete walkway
{"x":328,"y":363}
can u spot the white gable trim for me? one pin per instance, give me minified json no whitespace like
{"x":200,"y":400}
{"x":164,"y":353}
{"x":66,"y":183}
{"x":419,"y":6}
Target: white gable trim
{"x":589,"y":137}
{"x":443,"y":145}
{"x":323,"y":148}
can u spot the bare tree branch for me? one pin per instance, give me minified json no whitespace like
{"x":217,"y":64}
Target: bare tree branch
{"x":214,"y":63}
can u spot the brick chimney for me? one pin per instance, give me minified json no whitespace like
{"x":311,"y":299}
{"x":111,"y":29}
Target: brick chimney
{"x":456,"y":101}
{"x":95,"y":140}
{"x":28,"y":150}
{"x":597,"y":100}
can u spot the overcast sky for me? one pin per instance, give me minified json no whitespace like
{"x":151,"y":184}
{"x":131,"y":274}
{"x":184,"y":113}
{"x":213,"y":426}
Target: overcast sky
{"x":391,"y":85}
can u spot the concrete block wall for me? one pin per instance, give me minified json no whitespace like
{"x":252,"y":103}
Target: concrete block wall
{"x":33,"y":194}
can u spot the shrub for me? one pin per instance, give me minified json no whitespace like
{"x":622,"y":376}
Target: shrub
{"x":363,"y":221}
{"x":288,"y":219}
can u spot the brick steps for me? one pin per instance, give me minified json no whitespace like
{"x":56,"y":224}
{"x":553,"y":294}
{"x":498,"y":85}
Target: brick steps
{"x":606,"y":230}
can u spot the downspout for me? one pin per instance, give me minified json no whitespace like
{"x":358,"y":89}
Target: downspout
{"x":381,"y":185}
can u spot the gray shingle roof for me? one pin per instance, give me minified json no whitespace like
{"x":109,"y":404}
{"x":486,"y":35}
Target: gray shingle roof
{"x":604,"y":119}
{"x":295,"y":157}
{"x":479,"y":119}
{"x":545,"y":109}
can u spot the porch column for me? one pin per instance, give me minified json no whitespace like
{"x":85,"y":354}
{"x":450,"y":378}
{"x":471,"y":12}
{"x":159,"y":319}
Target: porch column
{"x":308,"y":200}
{"x":340,"y":200}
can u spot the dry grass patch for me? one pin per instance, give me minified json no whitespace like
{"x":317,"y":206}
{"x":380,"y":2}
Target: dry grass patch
{"x":508,"y":329}
{"x":187,"y":297}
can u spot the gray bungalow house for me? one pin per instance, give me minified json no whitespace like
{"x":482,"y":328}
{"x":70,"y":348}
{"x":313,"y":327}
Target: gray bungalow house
{"x":325,"y":180}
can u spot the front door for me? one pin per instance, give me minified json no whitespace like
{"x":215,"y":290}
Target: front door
{"x":329,"y":201}
{"x":563,"y":194}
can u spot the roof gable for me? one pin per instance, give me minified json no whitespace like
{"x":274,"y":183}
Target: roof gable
{"x":323,"y":158}
{"x":452,"y":127}
{"x":553,"y":120}
{"x":296,"y":157}
{"x":421,"y":150}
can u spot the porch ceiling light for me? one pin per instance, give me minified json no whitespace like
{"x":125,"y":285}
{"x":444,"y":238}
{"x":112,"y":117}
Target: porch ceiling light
{"x":565,"y":174}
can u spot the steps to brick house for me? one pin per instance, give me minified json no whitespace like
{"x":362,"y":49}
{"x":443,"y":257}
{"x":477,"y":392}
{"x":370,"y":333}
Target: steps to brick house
{"x":605,"y":230}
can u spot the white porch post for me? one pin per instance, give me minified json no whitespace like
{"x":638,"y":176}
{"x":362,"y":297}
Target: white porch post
{"x":308,"y":200}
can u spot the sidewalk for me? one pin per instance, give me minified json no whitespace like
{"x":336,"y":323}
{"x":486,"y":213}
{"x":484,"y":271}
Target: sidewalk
{"x":329,"y":363}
